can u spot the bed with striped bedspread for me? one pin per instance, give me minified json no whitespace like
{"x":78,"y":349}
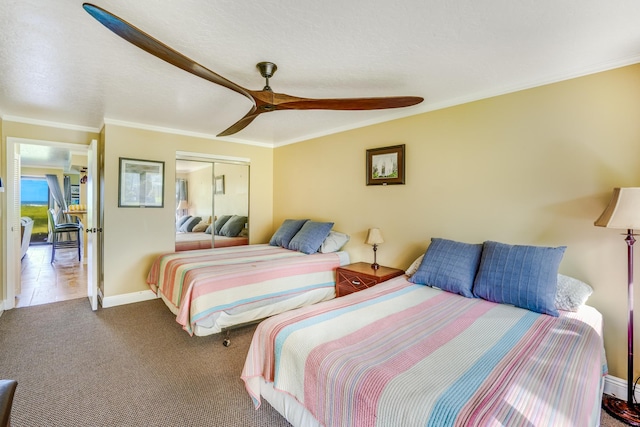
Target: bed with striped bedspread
{"x":411,"y":355}
{"x":199,"y":285}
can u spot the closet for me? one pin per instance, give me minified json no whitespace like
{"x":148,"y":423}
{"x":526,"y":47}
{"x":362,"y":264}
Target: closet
{"x":212,"y":202}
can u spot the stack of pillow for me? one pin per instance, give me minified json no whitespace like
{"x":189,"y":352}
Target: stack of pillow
{"x":227,"y":225}
{"x":308,"y":236}
{"x":187,"y":223}
{"x":523,"y":276}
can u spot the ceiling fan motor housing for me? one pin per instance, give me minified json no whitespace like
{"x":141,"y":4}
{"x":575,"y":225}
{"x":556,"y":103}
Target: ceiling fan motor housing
{"x":267,"y":70}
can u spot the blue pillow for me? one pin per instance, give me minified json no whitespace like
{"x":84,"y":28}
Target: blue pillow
{"x":285,"y":233}
{"x":525,"y":276}
{"x":310,"y":237}
{"x":219,"y":223}
{"x":181,"y":221}
{"x":233,"y":226}
{"x":188,"y":225}
{"x":450,"y":266}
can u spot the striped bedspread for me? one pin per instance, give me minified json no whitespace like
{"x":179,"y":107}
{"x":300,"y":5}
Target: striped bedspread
{"x":199,"y":284}
{"x":410,"y":355}
{"x":165,"y":268}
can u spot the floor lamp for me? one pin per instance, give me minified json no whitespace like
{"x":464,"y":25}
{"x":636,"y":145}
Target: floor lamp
{"x":623,"y":212}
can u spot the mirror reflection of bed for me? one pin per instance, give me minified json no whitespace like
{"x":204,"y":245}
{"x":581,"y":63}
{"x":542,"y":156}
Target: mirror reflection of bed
{"x":212,"y":204}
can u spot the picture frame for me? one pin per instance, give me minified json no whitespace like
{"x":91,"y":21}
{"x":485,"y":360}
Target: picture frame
{"x":141,"y":183}
{"x":386,"y":165}
{"x":218,"y":184}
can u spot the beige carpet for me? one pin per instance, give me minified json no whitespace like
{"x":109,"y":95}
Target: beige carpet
{"x":126,"y":366}
{"x":123,"y":366}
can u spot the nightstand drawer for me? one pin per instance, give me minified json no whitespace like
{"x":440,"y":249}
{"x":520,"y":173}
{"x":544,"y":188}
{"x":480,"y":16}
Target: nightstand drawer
{"x":350,"y":282}
{"x":358,"y":276}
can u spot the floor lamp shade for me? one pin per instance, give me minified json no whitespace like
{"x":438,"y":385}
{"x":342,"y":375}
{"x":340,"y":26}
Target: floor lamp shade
{"x":623,"y":212}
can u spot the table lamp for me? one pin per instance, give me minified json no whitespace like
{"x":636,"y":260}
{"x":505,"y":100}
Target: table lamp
{"x":183,"y":207}
{"x":374,"y":237}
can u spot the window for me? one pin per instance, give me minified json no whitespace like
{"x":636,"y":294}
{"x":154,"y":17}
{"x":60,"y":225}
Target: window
{"x":34,"y":202}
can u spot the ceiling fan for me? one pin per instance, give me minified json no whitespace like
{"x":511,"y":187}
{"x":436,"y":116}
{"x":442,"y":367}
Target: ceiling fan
{"x":264,"y":100}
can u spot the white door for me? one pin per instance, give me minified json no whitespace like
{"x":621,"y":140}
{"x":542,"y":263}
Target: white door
{"x":92,"y":226}
{"x":13,"y":227}
{"x":17,"y":225}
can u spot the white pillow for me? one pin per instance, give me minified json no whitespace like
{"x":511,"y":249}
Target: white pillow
{"x":414,"y":266}
{"x":334,"y":242}
{"x":571,"y":293}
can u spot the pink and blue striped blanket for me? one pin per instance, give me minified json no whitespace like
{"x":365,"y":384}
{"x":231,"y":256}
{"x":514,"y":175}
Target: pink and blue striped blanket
{"x":410,"y":355}
{"x":199,"y":284}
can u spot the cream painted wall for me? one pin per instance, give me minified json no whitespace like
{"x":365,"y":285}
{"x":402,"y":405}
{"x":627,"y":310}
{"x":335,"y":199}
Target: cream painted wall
{"x":234,"y":201}
{"x":41,"y":172}
{"x":133,"y":237}
{"x":201,"y":192}
{"x":532,"y":167}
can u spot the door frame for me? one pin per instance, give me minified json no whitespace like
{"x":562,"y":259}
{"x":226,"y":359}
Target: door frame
{"x":12,"y":274}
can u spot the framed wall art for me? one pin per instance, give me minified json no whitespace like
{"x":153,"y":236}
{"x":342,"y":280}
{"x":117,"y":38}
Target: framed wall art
{"x":141,"y":184}
{"x":385,"y":165}
{"x":218,"y":185}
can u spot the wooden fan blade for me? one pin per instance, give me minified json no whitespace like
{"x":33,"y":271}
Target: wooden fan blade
{"x":349,"y":103}
{"x":242,"y":123}
{"x":155,"y":47}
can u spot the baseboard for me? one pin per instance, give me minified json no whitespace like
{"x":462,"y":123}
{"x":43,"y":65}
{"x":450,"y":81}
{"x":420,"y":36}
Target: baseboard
{"x":130,"y":298}
{"x":617,"y":387}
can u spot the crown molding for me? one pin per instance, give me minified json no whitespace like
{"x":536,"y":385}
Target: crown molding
{"x":183,"y":132}
{"x":68,"y":126}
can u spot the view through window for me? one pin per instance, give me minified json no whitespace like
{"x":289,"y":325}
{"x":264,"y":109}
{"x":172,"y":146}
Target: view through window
{"x":34,"y":202}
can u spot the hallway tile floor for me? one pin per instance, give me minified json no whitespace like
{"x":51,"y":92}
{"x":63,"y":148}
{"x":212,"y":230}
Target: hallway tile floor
{"x":43,"y":282}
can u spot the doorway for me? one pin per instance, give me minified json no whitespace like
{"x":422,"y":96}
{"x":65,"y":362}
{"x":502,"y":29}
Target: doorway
{"x":33,"y":279}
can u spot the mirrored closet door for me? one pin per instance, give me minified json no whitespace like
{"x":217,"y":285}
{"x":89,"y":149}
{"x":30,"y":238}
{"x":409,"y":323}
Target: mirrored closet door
{"x":212,"y":203}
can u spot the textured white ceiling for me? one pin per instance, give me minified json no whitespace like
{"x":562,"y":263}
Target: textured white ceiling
{"x":58,"y":64}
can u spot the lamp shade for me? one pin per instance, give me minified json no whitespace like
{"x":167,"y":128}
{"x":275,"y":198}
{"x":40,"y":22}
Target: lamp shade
{"x":374,"y":237}
{"x":183,"y":204}
{"x":623,"y":210}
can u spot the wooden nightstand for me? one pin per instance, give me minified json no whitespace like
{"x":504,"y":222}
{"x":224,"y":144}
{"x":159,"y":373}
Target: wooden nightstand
{"x":358,"y":276}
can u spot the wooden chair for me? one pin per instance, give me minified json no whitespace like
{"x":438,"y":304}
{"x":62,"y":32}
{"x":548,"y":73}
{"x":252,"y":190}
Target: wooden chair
{"x":7,"y":390}
{"x":58,"y":229}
